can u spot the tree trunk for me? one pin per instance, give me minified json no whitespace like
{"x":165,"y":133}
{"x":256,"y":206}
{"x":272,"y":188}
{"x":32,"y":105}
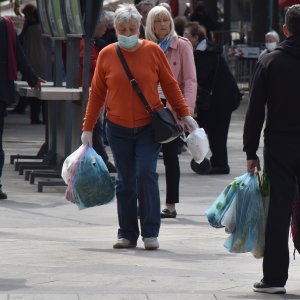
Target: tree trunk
{"x":227,"y":15}
{"x":260,"y":23}
{"x":276,"y":16}
{"x":211,"y":7}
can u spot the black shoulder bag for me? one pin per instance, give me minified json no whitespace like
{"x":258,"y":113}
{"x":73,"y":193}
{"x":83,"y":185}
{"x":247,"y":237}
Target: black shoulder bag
{"x":166,"y":129}
{"x":204,"y":95}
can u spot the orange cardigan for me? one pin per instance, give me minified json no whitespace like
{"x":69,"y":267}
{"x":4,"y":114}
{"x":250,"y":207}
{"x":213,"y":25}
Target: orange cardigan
{"x":111,"y":86}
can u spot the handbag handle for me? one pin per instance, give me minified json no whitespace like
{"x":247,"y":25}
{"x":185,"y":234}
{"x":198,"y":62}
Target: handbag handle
{"x":132,"y":79}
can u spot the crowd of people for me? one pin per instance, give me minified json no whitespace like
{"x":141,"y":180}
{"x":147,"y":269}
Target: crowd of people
{"x":177,"y":65}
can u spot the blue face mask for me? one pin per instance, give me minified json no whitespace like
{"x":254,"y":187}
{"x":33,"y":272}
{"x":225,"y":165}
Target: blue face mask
{"x":128,"y":41}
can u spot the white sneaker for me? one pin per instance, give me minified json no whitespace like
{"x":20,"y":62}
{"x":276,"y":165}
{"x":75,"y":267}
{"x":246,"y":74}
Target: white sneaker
{"x":123,"y":244}
{"x":151,"y":243}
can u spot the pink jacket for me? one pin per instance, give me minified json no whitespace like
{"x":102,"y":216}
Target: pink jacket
{"x":180,"y":56}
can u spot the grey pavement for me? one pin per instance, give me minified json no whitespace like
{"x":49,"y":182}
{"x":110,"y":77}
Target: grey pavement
{"x":52,"y":251}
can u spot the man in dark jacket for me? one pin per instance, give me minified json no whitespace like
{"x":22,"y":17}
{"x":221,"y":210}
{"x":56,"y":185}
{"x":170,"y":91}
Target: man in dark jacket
{"x":275,"y":84}
{"x":11,"y":59}
{"x":217,"y":97}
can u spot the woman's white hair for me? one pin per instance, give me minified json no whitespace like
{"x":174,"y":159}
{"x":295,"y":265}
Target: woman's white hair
{"x":126,"y":13}
{"x":274,"y":34}
{"x":155,"y":11}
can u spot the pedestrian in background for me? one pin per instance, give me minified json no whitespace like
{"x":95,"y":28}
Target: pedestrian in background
{"x":34,"y":48}
{"x":271,"y":42}
{"x":144,"y":7}
{"x":275,"y":87}
{"x":179,"y":53}
{"x":12,"y":58}
{"x":129,"y":129}
{"x":217,"y":96}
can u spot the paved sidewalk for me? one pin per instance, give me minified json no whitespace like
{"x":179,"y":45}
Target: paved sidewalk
{"x":52,"y":251}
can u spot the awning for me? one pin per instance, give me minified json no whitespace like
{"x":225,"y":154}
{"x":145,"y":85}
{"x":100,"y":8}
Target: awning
{"x":284,"y":3}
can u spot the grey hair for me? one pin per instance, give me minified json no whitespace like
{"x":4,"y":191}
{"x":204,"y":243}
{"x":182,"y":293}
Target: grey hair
{"x":274,"y":34}
{"x":109,"y":17}
{"x":126,"y":13}
{"x":155,"y":11}
{"x":144,"y":2}
{"x":166,"y":5}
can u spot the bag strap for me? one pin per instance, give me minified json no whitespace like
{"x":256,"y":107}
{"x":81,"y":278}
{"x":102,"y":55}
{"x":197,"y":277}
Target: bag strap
{"x":132,"y":79}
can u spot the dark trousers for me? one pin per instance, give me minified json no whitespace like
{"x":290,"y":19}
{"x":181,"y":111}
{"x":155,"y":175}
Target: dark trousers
{"x":2,"y":116}
{"x":36,"y":107}
{"x":135,"y":154}
{"x":216,"y":125}
{"x":171,"y":162}
{"x":282,"y":165}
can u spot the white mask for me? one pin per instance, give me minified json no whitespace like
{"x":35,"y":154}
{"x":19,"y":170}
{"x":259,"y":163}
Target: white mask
{"x":271,"y":46}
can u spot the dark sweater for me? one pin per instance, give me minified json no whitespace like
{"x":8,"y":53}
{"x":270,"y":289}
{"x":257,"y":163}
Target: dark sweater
{"x":275,"y":84}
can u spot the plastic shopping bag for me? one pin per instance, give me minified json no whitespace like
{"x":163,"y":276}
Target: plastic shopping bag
{"x":264,"y":187}
{"x":229,"y":218}
{"x":249,"y":212}
{"x":197,"y":144}
{"x":66,"y":171}
{"x":90,"y":183}
{"x":218,"y":209}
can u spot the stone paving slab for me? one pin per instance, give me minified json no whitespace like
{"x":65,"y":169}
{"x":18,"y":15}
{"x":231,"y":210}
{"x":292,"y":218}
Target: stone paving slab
{"x":51,"y":250}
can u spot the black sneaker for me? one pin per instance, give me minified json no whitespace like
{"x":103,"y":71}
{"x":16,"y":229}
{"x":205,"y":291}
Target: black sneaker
{"x":2,"y":195}
{"x":166,"y":213}
{"x":202,"y":168}
{"x":216,"y":170}
{"x":262,"y":287}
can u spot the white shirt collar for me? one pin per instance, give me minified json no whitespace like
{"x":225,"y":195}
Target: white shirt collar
{"x":202,"y":46}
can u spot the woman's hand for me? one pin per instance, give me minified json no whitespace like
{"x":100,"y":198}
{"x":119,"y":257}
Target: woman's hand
{"x":87,"y":138}
{"x":190,"y":123}
{"x":38,"y":85}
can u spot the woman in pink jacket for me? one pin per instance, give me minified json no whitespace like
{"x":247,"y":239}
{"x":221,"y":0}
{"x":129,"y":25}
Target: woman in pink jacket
{"x":179,"y":53}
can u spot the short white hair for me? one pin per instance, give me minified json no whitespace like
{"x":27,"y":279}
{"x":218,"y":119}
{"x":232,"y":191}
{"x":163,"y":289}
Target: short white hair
{"x":155,"y":11}
{"x":274,"y":34}
{"x":110,"y":18}
{"x":126,"y":13}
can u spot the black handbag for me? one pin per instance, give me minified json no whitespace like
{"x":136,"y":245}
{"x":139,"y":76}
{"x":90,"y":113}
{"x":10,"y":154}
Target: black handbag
{"x":165,"y":127}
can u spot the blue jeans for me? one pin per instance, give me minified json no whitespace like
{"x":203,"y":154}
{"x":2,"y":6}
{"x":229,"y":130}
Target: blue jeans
{"x":135,"y":154}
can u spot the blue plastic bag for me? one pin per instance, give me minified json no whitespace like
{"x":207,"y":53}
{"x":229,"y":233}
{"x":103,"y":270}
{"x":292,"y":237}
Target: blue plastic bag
{"x":249,"y":210}
{"x":90,"y":183}
{"x":216,"y":212}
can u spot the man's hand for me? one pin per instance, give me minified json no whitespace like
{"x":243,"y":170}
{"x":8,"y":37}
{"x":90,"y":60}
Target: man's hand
{"x":38,"y":85}
{"x":253,"y":166}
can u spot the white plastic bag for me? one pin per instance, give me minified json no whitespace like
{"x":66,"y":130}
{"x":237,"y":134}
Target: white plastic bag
{"x":229,"y":218}
{"x":67,"y":165}
{"x":197,"y":144}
